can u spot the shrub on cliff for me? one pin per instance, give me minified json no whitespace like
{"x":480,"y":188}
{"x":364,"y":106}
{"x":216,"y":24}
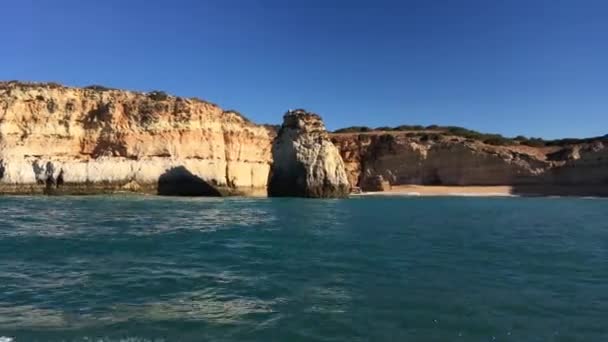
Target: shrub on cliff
{"x":54,"y":85}
{"x":490,"y":139}
{"x":472,"y":135}
{"x":354,"y":129}
{"x":463,"y":132}
{"x":533,"y":142}
{"x":497,"y":140}
{"x":158,"y":95}
{"x":98,"y":87}
{"x":409,"y":128}
{"x":401,"y":128}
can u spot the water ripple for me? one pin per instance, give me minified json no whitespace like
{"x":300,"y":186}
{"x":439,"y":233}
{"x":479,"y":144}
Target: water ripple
{"x":381,"y":269}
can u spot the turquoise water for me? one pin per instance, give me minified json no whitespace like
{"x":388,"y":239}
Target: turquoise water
{"x":364,"y":269}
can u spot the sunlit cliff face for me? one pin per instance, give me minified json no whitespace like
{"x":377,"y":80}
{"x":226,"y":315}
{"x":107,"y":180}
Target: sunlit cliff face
{"x":402,"y":158}
{"x":305,"y":162}
{"x":56,"y":139}
{"x":98,"y":139}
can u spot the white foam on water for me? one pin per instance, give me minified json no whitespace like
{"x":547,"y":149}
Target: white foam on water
{"x":449,"y":194}
{"x":480,"y":194}
{"x":125,"y":339}
{"x":382,"y":193}
{"x":98,"y":339}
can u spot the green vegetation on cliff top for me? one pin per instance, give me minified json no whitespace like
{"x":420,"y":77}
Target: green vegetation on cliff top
{"x":488,"y":138}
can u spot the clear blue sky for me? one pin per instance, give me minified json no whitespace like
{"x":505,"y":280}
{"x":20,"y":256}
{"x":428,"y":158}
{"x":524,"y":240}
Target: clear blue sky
{"x":530,"y":67}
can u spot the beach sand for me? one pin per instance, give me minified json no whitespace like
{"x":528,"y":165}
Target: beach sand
{"x":441,"y":190}
{"x":494,"y":190}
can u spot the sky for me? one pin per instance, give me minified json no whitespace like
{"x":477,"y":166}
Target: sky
{"x":536,"y":67}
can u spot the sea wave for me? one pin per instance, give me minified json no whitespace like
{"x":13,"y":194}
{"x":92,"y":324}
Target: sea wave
{"x":126,"y":339}
{"x":205,"y":306}
{"x":139,"y":269}
{"x":30,"y":316}
{"x":98,"y":339}
{"x":127,"y":216}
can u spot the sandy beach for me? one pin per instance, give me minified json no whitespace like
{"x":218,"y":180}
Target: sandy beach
{"x":493,"y":190}
{"x":441,"y":190}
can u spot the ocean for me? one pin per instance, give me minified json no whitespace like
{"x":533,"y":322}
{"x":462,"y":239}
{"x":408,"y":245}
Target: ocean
{"x":145,"y":268}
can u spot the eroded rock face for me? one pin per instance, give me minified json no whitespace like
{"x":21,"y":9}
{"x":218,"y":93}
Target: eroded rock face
{"x":402,"y":158}
{"x":305,"y":161}
{"x":586,"y":164}
{"x":73,"y":140}
{"x":56,"y":139}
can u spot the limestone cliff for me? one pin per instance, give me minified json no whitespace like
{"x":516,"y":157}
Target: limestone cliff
{"x":75,"y":140}
{"x":580,"y":164}
{"x":431,"y":159}
{"x":56,"y":139}
{"x":305,"y":162}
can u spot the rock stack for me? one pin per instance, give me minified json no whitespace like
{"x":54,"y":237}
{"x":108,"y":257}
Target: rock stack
{"x":305,"y":161}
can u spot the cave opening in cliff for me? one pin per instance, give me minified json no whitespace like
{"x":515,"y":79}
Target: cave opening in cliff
{"x":179,"y":181}
{"x":433,"y":178}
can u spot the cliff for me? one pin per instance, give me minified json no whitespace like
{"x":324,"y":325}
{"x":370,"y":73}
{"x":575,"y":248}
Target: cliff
{"x":70,"y":140}
{"x":305,"y":162}
{"x":56,"y":139}
{"x":429,"y":158}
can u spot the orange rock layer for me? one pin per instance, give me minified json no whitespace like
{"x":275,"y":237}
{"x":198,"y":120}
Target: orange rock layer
{"x":401,"y":158}
{"x":56,"y":138}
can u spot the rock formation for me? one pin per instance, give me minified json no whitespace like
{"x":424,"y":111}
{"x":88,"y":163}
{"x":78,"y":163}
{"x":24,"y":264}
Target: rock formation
{"x":305,"y":162}
{"x":431,"y":159}
{"x":56,"y":139}
{"x":59,"y":139}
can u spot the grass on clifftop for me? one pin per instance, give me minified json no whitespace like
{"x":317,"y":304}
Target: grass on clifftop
{"x":490,"y":139}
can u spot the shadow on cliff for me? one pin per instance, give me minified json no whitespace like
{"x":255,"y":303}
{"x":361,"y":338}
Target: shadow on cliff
{"x":287,"y":176}
{"x":178,"y":181}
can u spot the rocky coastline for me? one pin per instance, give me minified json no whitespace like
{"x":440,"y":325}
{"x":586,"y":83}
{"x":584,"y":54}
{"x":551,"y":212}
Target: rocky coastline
{"x":377,"y":161}
{"x":65,"y":140}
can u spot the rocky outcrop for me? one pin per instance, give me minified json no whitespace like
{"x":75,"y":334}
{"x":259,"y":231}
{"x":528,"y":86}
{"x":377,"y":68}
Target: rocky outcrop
{"x":56,"y":139}
{"x":582,"y":164}
{"x":376,"y":183}
{"x":59,"y":139}
{"x":305,"y":162}
{"x":432,"y":159}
